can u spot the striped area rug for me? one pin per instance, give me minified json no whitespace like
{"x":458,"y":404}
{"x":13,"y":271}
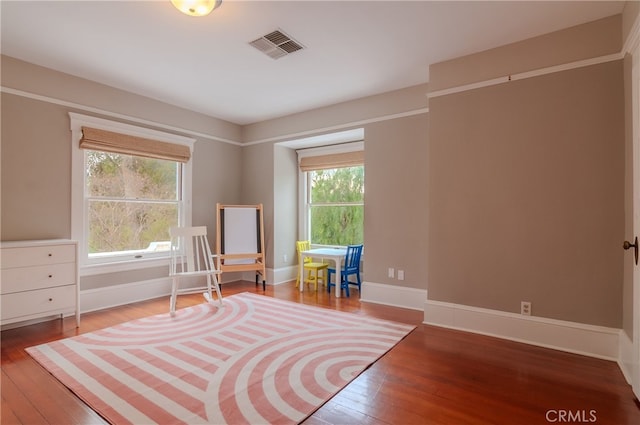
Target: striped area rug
{"x":257,"y":360}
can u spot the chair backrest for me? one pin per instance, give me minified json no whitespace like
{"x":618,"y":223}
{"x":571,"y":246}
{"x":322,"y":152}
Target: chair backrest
{"x":190,"y":251}
{"x":352,"y":259}
{"x":303,"y":246}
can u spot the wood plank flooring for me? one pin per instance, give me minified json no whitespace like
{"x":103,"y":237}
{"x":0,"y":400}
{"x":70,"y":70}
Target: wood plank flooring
{"x":433,"y":376}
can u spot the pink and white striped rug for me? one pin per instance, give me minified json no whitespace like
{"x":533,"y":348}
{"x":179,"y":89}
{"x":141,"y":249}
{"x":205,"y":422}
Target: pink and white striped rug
{"x":257,"y":360}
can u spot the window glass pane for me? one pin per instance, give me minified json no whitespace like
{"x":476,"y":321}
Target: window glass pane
{"x":337,"y":225}
{"x":116,"y":226}
{"x":132,"y":177}
{"x":338,"y":185}
{"x":337,"y":206}
{"x":131,"y":203}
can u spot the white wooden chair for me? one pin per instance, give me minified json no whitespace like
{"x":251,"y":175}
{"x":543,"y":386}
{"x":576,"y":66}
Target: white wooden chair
{"x":191,"y":259}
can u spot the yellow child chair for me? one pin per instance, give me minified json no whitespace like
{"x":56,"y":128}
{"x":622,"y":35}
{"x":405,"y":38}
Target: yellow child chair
{"x":311,"y":268}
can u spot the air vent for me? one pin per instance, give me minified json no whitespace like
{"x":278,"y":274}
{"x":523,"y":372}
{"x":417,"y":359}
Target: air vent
{"x":276,"y":44}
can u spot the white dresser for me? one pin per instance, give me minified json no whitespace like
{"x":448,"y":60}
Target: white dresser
{"x":38,"y":279}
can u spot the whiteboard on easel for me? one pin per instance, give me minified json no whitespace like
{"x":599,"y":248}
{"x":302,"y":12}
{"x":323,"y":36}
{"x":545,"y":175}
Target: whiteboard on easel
{"x":240,"y":230}
{"x":240,"y":240}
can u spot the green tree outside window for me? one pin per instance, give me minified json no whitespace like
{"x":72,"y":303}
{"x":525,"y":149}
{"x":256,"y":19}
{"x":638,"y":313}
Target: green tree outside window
{"x":337,"y":206}
{"x":132,"y":201}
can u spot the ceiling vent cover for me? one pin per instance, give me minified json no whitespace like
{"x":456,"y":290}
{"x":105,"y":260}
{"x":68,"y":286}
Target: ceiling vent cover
{"x":276,"y":44}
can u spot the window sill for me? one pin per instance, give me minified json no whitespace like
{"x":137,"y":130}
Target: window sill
{"x":121,"y":266}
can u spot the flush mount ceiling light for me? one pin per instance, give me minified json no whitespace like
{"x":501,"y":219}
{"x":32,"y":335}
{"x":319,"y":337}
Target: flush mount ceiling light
{"x":196,"y":7}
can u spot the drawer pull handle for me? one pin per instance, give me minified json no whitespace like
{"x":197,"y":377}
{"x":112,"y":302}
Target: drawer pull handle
{"x":50,"y":255}
{"x":50,"y":299}
{"x":50,"y":276}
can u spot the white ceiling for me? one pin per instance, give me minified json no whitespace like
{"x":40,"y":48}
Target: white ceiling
{"x":352,"y":48}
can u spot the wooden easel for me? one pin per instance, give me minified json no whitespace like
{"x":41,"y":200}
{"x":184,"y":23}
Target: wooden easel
{"x":240,"y":239}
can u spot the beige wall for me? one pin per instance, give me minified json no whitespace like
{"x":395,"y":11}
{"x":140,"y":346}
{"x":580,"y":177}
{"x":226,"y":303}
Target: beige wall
{"x":258,"y":188}
{"x":526,"y":194}
{"x":328,"y":118}
{"x":36,"y":172}
{"x":395,"y":154}
{"x":599,"y":38}
{"x":23,"y":76}
{"x":285,"y":207}
{"x":501,"y":194}
{"x":396,"y":195}
{"x":630,"y":16}
{"x":36,"y":155}
{"x":223,"y":172}
{"x":216,"y":178}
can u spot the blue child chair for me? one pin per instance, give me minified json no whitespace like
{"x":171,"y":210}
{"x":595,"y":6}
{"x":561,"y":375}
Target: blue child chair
{"x":351,"y":267}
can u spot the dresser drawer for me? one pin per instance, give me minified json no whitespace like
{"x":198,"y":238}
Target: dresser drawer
{"x":38,"y":279}
{"x":27,"y":278}
{"x":37,"y":255}
{"x":38,"y":302}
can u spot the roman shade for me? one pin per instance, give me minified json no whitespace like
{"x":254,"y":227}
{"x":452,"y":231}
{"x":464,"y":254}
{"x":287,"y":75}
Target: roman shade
{"x":108,"y":141}
{"x":334,"y":160}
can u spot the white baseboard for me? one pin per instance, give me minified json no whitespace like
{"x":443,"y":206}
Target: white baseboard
{"x":625,"y":360}
{"x":14,"y":325}
{"x":113,"y":296}
{"x":578,"y":338}
{"x":127,"y":293}
{"x":274,"y":276}
{"x":594,"y":341}
{"x":392,"y":295}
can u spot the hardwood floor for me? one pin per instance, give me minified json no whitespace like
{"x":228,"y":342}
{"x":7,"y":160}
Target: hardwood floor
{"x":433,"y":376}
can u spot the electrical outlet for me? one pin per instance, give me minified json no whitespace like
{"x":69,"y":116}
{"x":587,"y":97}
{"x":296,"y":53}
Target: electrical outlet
{"x":525,"y":308}
{"x":285,"y":258}
{"x":400,"y":274}
{"x":392,"y":272}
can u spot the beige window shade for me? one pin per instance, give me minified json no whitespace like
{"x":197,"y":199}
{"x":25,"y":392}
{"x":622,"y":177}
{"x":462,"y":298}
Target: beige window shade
{"x":108,"y":141}
{"x":335,"y":160}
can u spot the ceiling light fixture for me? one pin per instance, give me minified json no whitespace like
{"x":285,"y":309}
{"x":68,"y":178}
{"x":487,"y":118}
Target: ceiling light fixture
{"x":196,"y":7}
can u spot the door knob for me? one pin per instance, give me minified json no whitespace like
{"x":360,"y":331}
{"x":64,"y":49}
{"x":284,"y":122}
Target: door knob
{"x":626,"y":245}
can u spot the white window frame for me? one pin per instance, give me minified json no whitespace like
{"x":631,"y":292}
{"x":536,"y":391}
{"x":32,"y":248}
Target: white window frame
{"x":304,"y":216}
{"x":79,"y":204}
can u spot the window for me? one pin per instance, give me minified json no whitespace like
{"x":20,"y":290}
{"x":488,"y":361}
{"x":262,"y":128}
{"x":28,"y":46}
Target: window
{"x":333,"y":178}
{"x":336,"y":205}
{"x":130,"y":185}
{"x":132,"y":202}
